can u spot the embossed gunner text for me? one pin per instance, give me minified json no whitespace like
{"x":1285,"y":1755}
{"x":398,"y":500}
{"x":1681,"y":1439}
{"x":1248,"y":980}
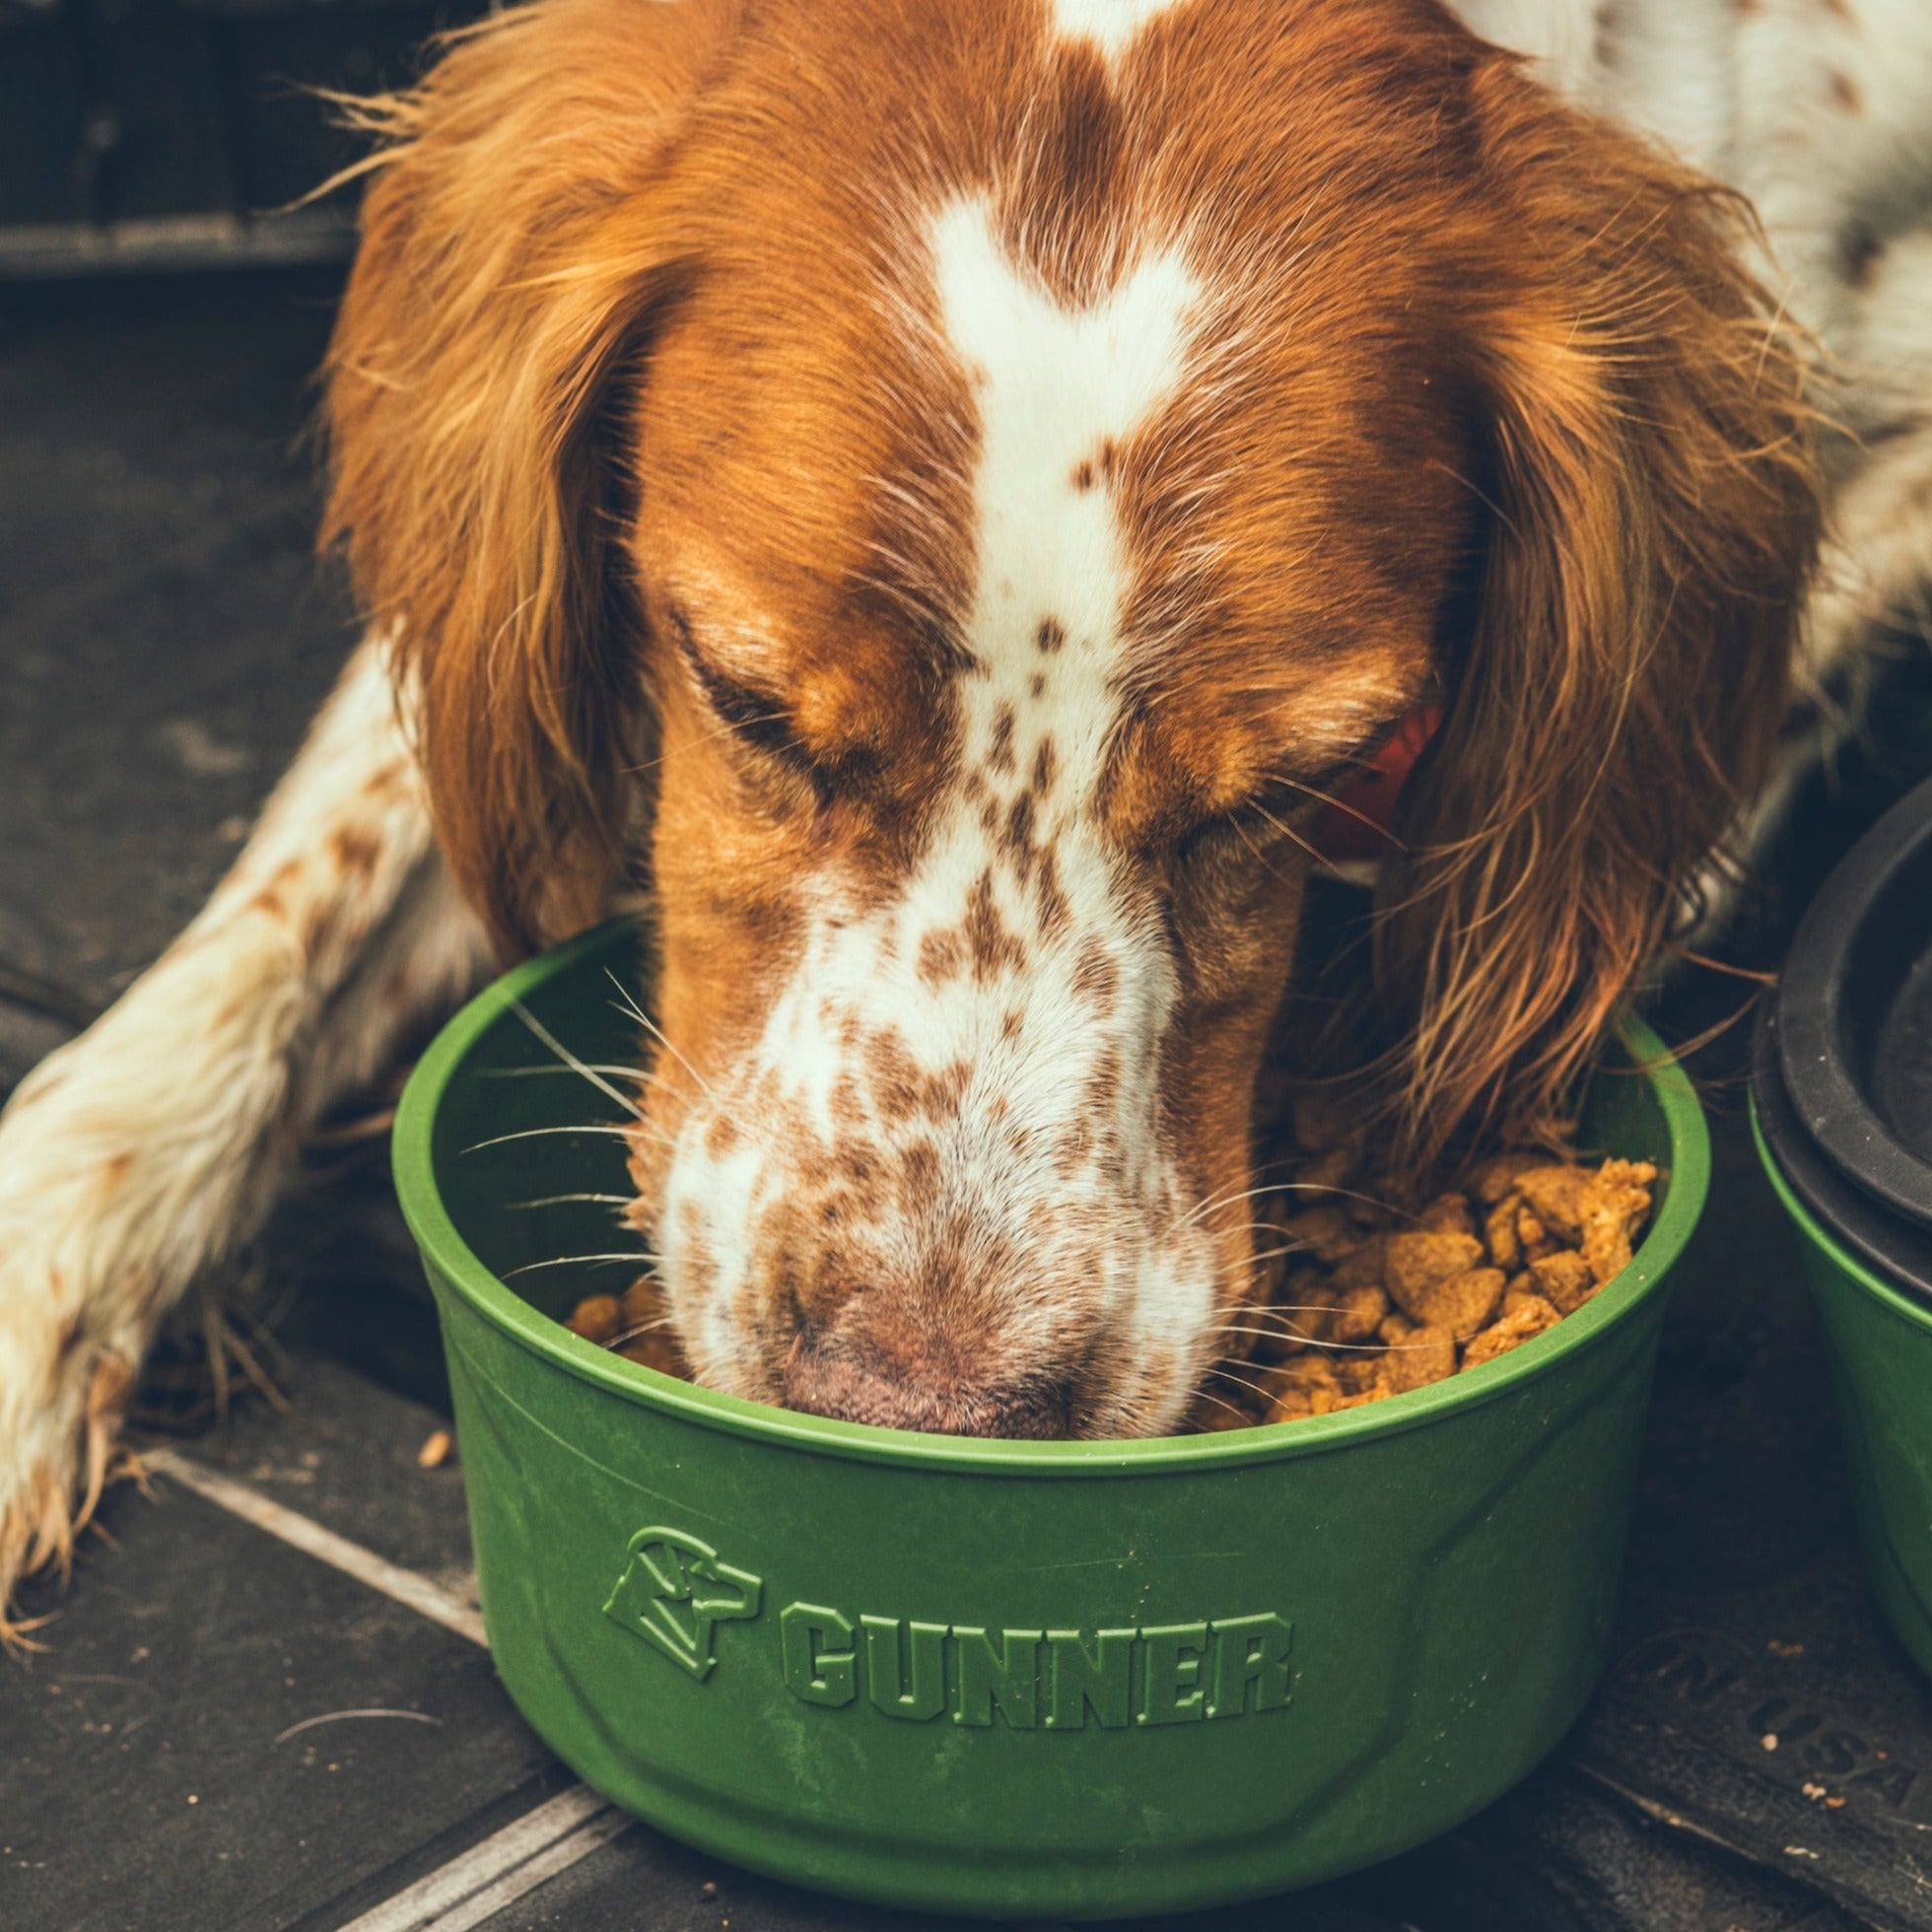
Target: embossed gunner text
{"x":1046,"y":1679}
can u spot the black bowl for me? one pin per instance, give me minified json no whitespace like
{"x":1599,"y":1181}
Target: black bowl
{"x":1854,"y":1023}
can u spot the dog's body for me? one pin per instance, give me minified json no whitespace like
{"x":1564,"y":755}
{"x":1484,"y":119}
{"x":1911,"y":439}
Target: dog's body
{"x":1026,"y":452}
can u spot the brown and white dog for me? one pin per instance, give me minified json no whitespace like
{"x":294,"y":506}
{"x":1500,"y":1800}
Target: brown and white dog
{"x":943,"y":489}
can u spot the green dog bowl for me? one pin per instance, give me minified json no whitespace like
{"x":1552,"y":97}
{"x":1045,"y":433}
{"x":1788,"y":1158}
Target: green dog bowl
{"x":1841,"y":1105}
{"x":1060,"y":1679}
{"x":1879,"y":1348}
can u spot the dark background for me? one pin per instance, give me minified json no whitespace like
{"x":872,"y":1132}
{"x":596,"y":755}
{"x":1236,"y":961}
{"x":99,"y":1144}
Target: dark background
{"x":164,"y":634}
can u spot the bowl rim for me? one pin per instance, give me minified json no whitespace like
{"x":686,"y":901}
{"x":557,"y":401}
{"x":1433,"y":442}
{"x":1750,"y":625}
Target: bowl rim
{"x":451,"y":1258}
{"x":1861,"y":1272}
{"x":1811,"y":998}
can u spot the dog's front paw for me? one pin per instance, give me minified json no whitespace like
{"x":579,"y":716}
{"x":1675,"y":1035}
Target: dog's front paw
{"x":60,"y":1409}
{"x":78,"y":1301}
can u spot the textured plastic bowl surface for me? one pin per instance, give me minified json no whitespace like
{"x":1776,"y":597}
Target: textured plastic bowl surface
{"x":1011,"y":1678}
{"x":1879,"y":1344}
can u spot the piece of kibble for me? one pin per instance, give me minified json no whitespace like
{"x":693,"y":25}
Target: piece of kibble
{"x":1332,"y":1166}
{"x":1496,"y":1177}
{"x":1532,"y":1316}
{"x":1358,"y":1370}
{"x":1306,"y":1385}
{"x":1360,"y":1269}
{"x":1412,"y":1264}
{"x":1499,"y":1234}
{"x":1532,"y":1237}
{"x":1357,"y":1315}
{"x":597,"y":1318}
{"x":1211,"y":1416}
{"x":1555,"y":1196}
{"x":1563,"y":1279}
{"x":1325,"y":1232}
{"x":1461,"y":1304}
{"x":657,"y":1349}
{"x":1614,"y":1207}
{"x":1303,"y":1308}
{"x":1376,"y":1300}
{"x":1447,"y":1213}
{"x":1425,"y":1356}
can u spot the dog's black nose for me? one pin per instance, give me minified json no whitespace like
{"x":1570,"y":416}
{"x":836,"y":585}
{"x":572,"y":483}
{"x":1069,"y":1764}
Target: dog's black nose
{"x":923,"y":1387}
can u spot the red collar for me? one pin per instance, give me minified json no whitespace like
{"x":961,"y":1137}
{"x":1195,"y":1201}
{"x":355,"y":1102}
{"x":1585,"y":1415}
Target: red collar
{"x":1358,"y":825}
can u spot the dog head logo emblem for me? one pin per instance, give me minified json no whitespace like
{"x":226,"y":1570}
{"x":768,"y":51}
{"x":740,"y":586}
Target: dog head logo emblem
{"x":674,"y":1592}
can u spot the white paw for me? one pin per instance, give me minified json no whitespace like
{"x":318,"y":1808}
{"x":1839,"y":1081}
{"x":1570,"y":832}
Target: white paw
{"x":68,"y":1348}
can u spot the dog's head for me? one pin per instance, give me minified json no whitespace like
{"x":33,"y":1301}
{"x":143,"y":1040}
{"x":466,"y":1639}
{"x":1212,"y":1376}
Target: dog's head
{"x":969,"y":481}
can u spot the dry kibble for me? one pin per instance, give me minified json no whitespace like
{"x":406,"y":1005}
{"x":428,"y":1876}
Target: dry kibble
{"x":1533,"y":1315}
{"x":1371,"y":1217}
{"x":1305,"y":1387}
{"x":1412,"y":1264}
{"x":1326,"y":1232}
{"x":1447,"y":1213}
{"x":1275,"y":1335}
{"x":1368,"y":1303}
{"x":597,"y":1318}
{"x":1428,"y":1355}
{"x":1499,"y":1234}
{"x":1563,"y":1279}
{"x":1461,"y":1304}
{"x":1496,"y":1177}
{"x":1360,"y":1372}
{"x":1209,"y":1417}
{"x":657,"y":1351}
{"x":1616,"y":1204}
{"x":1332,"y":1166}
{"x":1556,"y":1197}
{"x":1360,"y":1269}
{"x":1357,"y":1315}
{"x":1377,"y":1304}
{"x":1532,"y":1237}
{"x":1304,"y":1307}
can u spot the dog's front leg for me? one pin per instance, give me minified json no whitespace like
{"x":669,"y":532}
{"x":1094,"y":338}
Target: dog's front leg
{"x":153,"y":1146}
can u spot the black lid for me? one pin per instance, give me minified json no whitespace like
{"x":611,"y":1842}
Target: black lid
{"x":1854,"y":1013}
{"x":1898,"y":1248}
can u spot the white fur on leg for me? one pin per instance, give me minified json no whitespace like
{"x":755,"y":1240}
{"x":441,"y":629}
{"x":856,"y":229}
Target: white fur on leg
{"x":153,"y":1146}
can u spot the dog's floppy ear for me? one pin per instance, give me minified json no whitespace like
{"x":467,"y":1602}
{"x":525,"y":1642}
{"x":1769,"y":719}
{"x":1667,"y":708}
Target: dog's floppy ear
{"x":513,"y":236}
{"x":1652,"y":520}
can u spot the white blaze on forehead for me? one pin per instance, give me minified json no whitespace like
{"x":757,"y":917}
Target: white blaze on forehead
{"x":1113,"y":24}
{"x":1046,"y":1064}
{"x":1054,"y":387}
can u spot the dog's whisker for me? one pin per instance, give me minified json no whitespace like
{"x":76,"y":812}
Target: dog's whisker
{"x":634,"y":1258}
{"x":537,"y":1132}
{"x":590,"y":1066}
{"x":1241,"y":1382}
{"x":1220,"y":1401}
{"x":558,"y":1200}
{"x":643,"y":1328}
{"x":657,"y":1032}
{"x":570,"y":1060}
